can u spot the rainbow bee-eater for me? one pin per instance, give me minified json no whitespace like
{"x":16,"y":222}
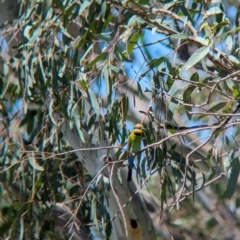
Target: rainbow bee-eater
{"x":133,"y":146}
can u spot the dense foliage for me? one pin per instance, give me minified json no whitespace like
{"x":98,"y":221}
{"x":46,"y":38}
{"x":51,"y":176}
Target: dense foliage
{"x":99,"y":67}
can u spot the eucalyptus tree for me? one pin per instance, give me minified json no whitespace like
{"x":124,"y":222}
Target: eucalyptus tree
{"x":76,"y":76}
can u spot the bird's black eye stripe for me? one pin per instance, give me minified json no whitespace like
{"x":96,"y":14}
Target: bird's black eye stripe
{"x":138,"y":134}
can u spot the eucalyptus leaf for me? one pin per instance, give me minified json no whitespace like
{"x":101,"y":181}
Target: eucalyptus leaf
{"x":94,"y":101}
{"x":229,"y":42}
{"x":32,"y":161}
{"x":214,"y":11}
{"x":196,"y":57}
{"x":180,"y":36}
{"x":132,"y":42}
{"x":217,"y":106}
{"x":101,"y":56}
{"x":232,"y":177}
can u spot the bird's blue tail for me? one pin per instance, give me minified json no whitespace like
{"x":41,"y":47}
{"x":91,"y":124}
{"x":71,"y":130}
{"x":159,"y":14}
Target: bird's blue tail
{"x":131,"y":162}
{"x":131,"y":165}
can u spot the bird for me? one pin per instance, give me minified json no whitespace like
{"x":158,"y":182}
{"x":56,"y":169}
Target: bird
{"x":133,"y":146}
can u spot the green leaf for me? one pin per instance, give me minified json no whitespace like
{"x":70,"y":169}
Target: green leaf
{"x":213,"y":11}
{"x":1,"y":86}
{"x":143,"y":2}
{"x":187,"y":94}
{"x":217,"y":156}
{"x":28,"y":30}
{"x":179,"y":158}
{"x":94,"y":213}
{"x":209,"y":156}
{"x":196,"y":57}
{"x":107,"y":79}
{"x":187,"y":110}
{"x":107,"y":21}
{"x":125,"y":106}
{"x":47,"y":7}
{"x":172,"y":107}
{"x":76,"y":119}
{"x":186,"y":13}
{"x":210,"y":174}
{"x":230,"y":84}
{"x":135,"y":21}
{"x":178,"y":175}
{"x":228,"y":160}
{"x":157,"y":158}
{"x":122,"y":56}
{"x":94,"y":101}
{"x":132,"y":42}
{"x":163,"y":191}
{"x":107,"y":39}
{"x":169,"y":185}
{"x":229,"y":43}
{"x":172,"y":70}
{"x":103,"y":10}
{"x":93,"y":29}
{"x":234,"y":60}
{"x":140,"y":92}
{"x":236,"y":92}
{"x":155,"y":83}
{"x":232,"y":177}
{"x":34,"y":164}
{"x":114,"y":68}
{"x":59,"y":4}
{"x":84,"y":5}
{"x":143,"y":167}
{"x":195,"y":77}
{"x":227,"y":140}
{"x":180,"y":36}
{"x":217,"y":106}
{"x":203,"y":41}
{"x":156,"y":62}
{"x":101,"y":56}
